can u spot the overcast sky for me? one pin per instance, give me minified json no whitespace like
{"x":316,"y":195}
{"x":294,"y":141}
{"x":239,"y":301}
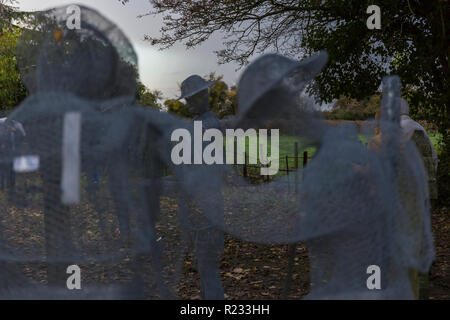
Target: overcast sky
{"x":161,"y":70}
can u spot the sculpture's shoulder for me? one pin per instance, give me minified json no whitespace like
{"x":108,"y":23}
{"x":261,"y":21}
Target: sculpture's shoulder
{"x":209,"y":120}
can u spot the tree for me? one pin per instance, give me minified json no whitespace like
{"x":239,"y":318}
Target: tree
{"x":8,"y":12}
{"x":12,"y":89}
{"x":231,"y":105}
{"x":222,"y":100}
{"x":352,"y":109}
{"x":178,"y":108}
{"x":413,"y":43}
{"x":148,"y":98}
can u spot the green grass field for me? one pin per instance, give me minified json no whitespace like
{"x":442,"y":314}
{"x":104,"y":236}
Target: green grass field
{"x":436,"y":140}
{"x":287,"y":148}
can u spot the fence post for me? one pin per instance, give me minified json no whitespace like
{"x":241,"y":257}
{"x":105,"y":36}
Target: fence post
{"x":296,"y":155}
{"x":235,"y":152}
{"x":296,"y":166}
{"x":225,"y":152}
{"x":287,"y":172}
{"x":287,"y":165}
{"x":292,"y":248}
{"x":262,"y":157}
{"x":245,"y":164}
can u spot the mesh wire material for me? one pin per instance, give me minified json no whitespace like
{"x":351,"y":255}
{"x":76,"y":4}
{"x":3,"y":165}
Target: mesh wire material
{"x":353,"y":205}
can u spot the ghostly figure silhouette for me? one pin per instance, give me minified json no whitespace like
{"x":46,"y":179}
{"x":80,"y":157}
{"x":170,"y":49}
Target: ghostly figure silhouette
{"x":91,"y":72}
{"x":412,"y":237}
{"x":413,"y":131}
{"x":410,"y":178}
{"x":336,"y":206}
{"x":205,"y":235}
{"x":350,"y":211}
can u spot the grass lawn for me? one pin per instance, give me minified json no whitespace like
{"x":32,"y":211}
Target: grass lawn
{"x":436,"y":140}
{"x":287,"y":148}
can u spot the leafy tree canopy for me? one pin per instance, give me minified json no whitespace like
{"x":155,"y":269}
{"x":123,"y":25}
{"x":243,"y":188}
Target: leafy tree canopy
{"x":178,"y":108}
{"x":352,"y":109}
{"x":148,"y":98}
{"x":413,"y":43}
{"x":12,"y":90}
{"x":222,"y":99}
{"x":8,"y":13}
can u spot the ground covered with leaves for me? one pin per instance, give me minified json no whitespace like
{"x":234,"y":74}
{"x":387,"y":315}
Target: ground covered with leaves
{"x":255,"y":271}
{"x":440,"y":270}
{"x":248,"y":270}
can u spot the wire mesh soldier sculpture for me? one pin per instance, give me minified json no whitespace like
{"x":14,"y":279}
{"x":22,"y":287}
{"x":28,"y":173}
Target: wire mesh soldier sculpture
{"x":337,"y":211}
{"x":208,"y":240}
{"x":412,"y":237}
{"x":353,"y":220}
{"x":90,"y":73}
{"x":414,"y":193}
{"x":348,"y":213}
{"x":80,"y":80}
{"x":413,"y":131}
{"x":268,"y":90}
